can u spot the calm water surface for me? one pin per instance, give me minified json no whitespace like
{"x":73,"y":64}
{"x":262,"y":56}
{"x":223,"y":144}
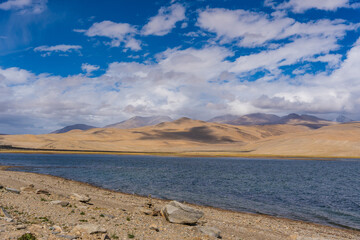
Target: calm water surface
{"x":326,"y":192}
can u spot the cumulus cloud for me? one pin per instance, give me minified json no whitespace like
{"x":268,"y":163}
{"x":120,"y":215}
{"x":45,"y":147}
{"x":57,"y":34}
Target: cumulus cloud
{"x":252,"y":29}
{"x":24,"y":6}
{"x":57,"y":48}
{"x":88,"y":68}
{"x":300,"y":6}
{"x":117,"y":32}
{"x":165,"y":20}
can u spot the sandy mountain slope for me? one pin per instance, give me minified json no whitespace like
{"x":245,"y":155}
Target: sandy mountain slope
{"x":335,"y":140}
{"x":181,"y":135}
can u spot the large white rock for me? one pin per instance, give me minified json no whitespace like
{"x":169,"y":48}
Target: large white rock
{"x":176,"y":212}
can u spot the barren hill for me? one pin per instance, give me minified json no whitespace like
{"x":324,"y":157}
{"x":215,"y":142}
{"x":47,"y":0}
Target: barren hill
{"x":187,"y":135}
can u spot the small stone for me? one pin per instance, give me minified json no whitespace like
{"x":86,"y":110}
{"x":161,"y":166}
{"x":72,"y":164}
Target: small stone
{"x":59,"y":202}
{"x":80,"y":197}
{"x":210,"y":231}
{"x":67,"y":237}
{"x":13,"y":190}
{"x":4,"y":213}
{"x":57,"y":228}
{"x":156,"y":211}
{"x":146,"y":211}
{"x":105,"y":237}
{"x":154,"y":227}
{"x":89,"y":228}
{"x":42,"y":191}
{"x":1,"y":186}
{"x":26,"y":189}
{"x":20,"y":227}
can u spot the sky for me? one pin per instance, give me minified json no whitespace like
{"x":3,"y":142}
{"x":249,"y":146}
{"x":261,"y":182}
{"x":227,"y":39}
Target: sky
{"x":101,"y":62}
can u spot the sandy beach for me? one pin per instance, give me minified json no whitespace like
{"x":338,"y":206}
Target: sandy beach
{"x":126,"y":216}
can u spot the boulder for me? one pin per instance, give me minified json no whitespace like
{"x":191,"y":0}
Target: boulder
{"x":89,"y":228}
{"x":176,"y":212}
{"x":59,"y":202}
{"x":80,"y":197}
{"x":210,"y":231}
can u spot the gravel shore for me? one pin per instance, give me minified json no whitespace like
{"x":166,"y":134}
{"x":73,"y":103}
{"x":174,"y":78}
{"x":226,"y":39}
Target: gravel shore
{"x":54,"y":213}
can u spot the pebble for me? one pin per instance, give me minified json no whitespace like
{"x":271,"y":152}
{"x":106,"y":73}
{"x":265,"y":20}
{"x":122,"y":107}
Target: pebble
{"x":59,"y":202}
{"x":13,"y":190}
{"x":42,"y":191}
{"x":154,"y":227}
{"x":89,"y":228}
{"x":20,"y":227}
{"x":67,"y":237}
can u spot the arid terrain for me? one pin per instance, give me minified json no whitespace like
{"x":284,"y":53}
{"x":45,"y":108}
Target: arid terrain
{"x":44,"y":207}
{"x":193,"y":137}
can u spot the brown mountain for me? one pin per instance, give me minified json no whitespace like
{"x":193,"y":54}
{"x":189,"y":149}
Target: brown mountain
{"x":271,"y":119}
{"x":139,"y":121}
{"x":189,"y":136}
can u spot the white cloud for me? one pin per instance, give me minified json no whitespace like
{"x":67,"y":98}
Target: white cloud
{"x":191,"y":82}
{"x":251,"y":29}
{"x":24,"y":6}
{"x":57,"y":48}
{"x":298,"y":50}
{"x":14,"y":76}
{"x":117,"y":32}
{"x":165,"y":20}
{"x":88,"y":68}
{"x":300,"y":6}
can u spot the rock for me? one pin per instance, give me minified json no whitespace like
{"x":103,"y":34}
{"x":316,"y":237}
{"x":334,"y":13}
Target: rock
{"x":67,"y":237}
{"x":26,"y":189}
{"x":13,"y":190}
{"x":59,"y":202}
{"x":1,"y":186}
{"x":89,"y":228}
{"x":4,"y":213}
{"x":105,"y":237}
{"x":146,"y":211}
{"x":156,"y":211}
{"x":176,"y":212}
{"x":42,"y":191}
{"x":80,"y":197}
{"x":20,"y":227}
{"x":154,"y":227}
{"x":57,"y":228}
{"x":210,"y":231}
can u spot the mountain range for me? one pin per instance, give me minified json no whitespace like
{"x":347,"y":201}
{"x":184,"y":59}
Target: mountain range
{"x":194,"y":137}
{"x":249,"y":119}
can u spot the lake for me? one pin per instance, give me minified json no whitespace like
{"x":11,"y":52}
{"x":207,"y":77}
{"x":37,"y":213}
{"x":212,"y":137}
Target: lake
{"x":325,"y":192}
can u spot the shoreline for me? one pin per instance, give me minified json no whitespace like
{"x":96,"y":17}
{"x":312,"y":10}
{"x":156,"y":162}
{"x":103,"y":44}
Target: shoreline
{"x":304,"y":225}
{"x":205,"y":154}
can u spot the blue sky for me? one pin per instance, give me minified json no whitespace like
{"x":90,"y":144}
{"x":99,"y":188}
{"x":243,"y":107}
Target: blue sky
{"x":67,"y":62}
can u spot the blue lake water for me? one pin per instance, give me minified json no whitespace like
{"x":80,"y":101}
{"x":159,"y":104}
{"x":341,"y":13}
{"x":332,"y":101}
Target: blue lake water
{"x":325,"y":192}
